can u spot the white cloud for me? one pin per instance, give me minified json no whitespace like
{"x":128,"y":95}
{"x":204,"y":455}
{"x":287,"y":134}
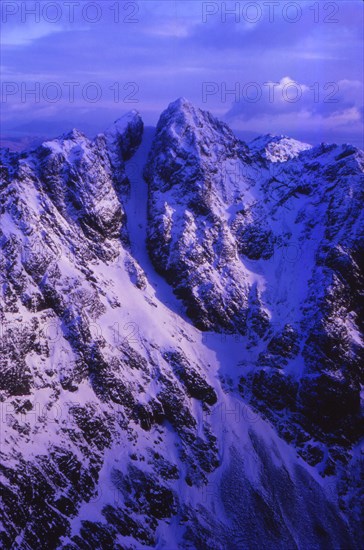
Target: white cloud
{"x":20,"y":35}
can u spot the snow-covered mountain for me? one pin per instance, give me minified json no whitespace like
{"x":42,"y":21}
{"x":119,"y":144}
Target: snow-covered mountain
{"x":181,"y":323}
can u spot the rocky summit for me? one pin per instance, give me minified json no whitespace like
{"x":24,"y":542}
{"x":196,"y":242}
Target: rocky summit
{"x":181,"y":337}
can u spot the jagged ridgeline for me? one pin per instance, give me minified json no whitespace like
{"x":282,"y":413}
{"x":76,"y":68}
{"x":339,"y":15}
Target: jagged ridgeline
{"x":181,"y":336}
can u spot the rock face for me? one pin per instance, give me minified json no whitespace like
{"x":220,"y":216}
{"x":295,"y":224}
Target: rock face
{"x":190,"y":237}
{"x":132,"y":417}
{"x":283,"y":228}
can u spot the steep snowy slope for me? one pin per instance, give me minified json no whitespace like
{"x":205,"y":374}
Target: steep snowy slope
{"x":122,"y":424}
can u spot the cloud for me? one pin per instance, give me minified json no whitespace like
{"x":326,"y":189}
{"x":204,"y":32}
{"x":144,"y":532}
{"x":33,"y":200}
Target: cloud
{"x":331,"y":113}
{"x":288,"y":96}
{"x":22,"y":35}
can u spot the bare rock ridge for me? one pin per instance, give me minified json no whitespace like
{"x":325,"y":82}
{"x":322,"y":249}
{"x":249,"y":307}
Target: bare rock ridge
{"x":229,"y":419}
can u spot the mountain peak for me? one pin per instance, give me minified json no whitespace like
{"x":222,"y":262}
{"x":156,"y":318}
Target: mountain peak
{"x":73,"y":134}
{"x":182,"y":106}
{"x":125,"y":134}
{"x":278,"y":148}
{"x":180,"y":103}
{"x":120,"y":124}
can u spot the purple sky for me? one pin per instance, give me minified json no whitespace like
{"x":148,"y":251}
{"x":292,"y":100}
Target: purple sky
{"x":292,"y":68}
